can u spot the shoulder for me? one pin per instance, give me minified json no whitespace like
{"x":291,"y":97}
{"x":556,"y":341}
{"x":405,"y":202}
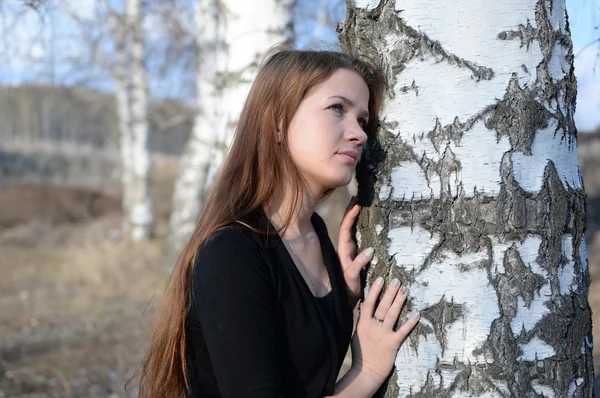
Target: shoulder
{"x":231,"y":262}
{"x":233,"y":250}
{"x":230,"y":242}
{"x":230,"y":235}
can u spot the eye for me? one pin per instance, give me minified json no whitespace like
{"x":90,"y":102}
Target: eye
{"x":362,"y":123}
{"x":339,"y":108}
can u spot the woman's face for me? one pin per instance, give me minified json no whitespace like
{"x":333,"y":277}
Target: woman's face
{"x":326,"y":134}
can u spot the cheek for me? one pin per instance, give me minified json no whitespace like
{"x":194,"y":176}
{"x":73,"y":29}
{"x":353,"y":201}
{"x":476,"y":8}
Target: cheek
{"x":306,"y":138}
{"x":303,"y":149}
{"x":313,"y":140}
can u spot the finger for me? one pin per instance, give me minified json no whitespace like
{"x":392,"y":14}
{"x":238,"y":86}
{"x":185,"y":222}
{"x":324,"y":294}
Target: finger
{"x":368,"y":306}
{"x":353,"y":201}
{"x":350,"y":217}
{"x":387,"y":300}
{"x":406,"y":328}
{"x":345,"y":235}
{"x":345,"y":238}
{"x":360,"y":262}
{"x":394,"y":311}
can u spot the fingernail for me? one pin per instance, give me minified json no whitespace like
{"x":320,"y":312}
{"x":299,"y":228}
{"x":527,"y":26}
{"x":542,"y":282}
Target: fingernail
{"x":369,"y":252}
{"x":379,"y":281}
{"x":415,"y":315}
{"x":395,"y":282}
{"x":404,"y":290}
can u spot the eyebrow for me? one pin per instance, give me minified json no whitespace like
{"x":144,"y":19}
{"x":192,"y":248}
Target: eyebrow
{"x":348,"y":101}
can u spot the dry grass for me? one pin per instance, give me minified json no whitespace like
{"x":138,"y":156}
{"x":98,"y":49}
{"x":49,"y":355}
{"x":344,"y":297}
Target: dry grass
{"x":80,"y":304}
{"x":76,"y":302}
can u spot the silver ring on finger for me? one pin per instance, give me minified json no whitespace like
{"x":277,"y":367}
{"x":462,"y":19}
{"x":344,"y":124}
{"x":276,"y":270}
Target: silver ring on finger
{"x":377,"y":319}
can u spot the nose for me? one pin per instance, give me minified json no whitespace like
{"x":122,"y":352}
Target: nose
{"x":356,"y":134}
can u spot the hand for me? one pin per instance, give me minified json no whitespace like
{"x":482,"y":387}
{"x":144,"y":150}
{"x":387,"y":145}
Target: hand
{"x":351,"y":263}
{"x":375,"y":343}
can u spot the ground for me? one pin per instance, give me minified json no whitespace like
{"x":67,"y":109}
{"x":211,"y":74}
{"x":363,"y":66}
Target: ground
{"x":76,"y":301}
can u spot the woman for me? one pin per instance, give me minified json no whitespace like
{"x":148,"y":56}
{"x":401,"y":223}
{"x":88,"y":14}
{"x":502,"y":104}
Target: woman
{"x":259,"y":303}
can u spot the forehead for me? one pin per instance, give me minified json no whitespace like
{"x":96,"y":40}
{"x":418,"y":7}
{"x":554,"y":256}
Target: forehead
{"x":344,"y":83}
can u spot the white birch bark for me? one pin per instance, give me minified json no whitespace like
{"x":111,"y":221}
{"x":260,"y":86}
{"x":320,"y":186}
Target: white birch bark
{"x":131,"y":94}
{"x":196,"y":159}
{"x":122,"y":93}
{"x":140,"y":214}
{"x":233,"y":36}
{"x":249,"y":29}
{"x":474,"y":195}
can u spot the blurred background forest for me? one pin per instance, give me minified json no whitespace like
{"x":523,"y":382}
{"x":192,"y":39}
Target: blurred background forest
{"x":77,"y":293}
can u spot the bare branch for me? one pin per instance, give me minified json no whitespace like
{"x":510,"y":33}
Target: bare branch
{"x":587,"y":46}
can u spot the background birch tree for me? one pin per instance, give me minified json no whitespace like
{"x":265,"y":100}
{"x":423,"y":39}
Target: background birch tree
{"x":233,"y":37}
{"x":473,"y":195}
{"x":131,"y":93}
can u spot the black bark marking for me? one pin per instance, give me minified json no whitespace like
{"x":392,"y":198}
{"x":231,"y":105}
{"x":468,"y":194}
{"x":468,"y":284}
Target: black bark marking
{"x":526,"y":282}
{"x":520,"y":126}
{"x":443,"y":134}
{"x":442,"y":315}
{"x":412,"y":87}
{"x":526,"y":33}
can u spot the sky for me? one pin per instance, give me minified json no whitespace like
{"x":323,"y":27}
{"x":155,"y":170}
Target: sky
{"x":584,"y":19}
{"x":24,"y":55}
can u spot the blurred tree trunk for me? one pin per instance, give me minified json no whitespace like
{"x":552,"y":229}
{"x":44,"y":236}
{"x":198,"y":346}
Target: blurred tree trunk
{"x":122,"y":89}
{"x":132,"y":109}
{"x":473,"y":195}
{"x":233,"y":36}
{"x":141,"y":218}
{"x":195,"y":159}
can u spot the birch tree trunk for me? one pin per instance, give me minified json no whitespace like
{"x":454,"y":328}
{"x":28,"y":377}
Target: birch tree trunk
{"x":140,"y":214}
{"x":233,"y":36}
{"x":249,"y":29}
{"x":195,"y":161}
{"x":122,"y":93}
{"x":132,"y":103}
{"x":474,"y":197}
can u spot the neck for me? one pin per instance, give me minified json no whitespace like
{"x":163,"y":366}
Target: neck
{"x":300,"y":224}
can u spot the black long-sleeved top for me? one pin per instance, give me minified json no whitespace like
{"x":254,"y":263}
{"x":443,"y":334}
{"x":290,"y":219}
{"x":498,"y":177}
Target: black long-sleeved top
{"x":254,"y":328}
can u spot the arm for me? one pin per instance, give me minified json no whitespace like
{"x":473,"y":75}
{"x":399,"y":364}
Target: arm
{"x":375,"y":342}
{"x":235,"y":302}
{"x":357,"y":384}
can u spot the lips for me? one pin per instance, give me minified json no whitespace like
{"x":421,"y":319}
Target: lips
{"x":349,"y":155}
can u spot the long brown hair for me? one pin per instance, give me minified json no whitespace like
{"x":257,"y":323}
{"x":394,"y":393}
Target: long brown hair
{"x":250,"y":177}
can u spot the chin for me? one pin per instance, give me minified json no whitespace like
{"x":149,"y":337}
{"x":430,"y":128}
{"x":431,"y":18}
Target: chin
{"x":333,"y":179}
{"x":339,"y":182}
